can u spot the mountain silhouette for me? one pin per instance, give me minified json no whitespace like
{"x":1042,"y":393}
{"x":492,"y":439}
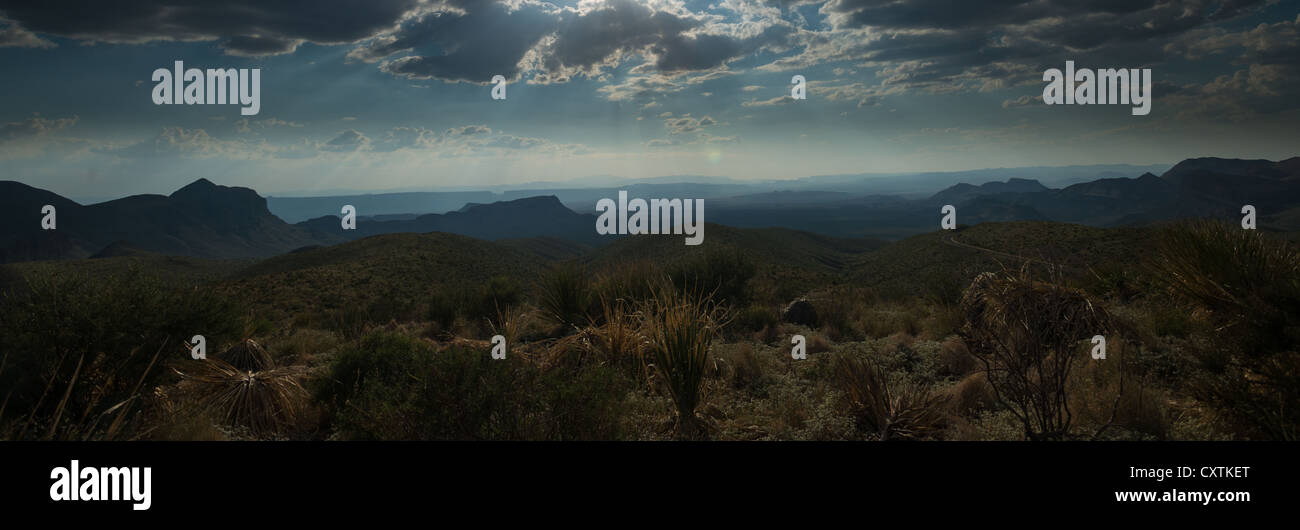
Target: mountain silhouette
{"x":542,"y":216}
{"x":206,"y":220}
{"x":201,"y":219}
{"x":961,"y":192}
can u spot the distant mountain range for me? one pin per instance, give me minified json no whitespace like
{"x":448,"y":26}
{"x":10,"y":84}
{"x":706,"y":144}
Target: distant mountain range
{"x":201,"y":219}
{"x":520,"y":218}
{"x":206,"y":220}
{"x":581,"y":194}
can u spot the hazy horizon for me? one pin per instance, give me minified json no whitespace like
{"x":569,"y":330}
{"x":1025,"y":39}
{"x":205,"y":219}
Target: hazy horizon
{"x":592,"y":182}
{"x":397,"y":94}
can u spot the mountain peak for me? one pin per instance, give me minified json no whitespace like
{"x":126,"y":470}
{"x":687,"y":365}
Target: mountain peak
{"x":200,"y":185}
{"x":537,"y":203}
{"x":1224,"y":166}
{"x":963,"y":191}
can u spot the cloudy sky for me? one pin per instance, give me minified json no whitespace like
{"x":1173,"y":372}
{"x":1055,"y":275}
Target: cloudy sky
{"x":395,"y":94}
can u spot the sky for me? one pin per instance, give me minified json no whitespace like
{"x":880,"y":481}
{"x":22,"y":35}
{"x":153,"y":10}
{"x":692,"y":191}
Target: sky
{"x":396,"y":94}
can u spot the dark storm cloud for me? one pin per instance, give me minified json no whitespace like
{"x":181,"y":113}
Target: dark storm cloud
{"x":478,"y":39}
{"x":487,"y":39}
{"x":247,"y":27}
{"x":674,"y":42}
{"x":941,"y":45}
{"x":947,"y":14}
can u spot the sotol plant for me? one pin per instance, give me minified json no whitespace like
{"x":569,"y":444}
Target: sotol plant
{"x":681,"y":329}
{"x":1248,"y":283}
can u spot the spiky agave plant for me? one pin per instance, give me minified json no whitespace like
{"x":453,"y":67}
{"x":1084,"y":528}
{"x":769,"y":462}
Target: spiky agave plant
{"x":264,"y":401}
{"x":681,"y":329}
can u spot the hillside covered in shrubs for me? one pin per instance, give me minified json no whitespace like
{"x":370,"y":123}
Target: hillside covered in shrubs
{"x":983,"y":333}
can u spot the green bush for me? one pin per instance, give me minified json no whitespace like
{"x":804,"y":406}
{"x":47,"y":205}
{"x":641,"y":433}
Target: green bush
{"x":95,"y":339}
{"x":1249,"y":284}
{"x":474,"y":303}
{"x":392,"y":387}
{"x":720,"y":273}
{"x":756,"y":317}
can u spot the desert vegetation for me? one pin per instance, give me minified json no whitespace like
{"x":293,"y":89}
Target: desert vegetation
{"x":1200,"y":322}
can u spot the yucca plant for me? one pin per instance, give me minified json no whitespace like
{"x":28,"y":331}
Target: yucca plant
{"x":565,"y":295}
{"x":509,"y":322}
{"x":681,"y":329}
{"x":889,"y":411}
{"x":263,"y":401}
{"x":247,"y":355}
{"x":1248,"y":283}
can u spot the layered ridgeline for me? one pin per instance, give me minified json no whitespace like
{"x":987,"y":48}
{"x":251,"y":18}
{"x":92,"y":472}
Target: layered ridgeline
{"x":520,"y":218}
{"x":210,"y":221}
{"x":1194,"y":188}
{"x":200,"y":220}
{"x":1201,"y":187}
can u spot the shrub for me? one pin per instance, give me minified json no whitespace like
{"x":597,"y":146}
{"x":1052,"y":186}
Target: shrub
{"x":972,"y":395}
{"x":477,"y":304}
{"x":755,"y":317}
{"x":75,"y":347}
{"x":1249,"y":284}
{"x":630,"y":281}
{"x":444,"y":305}
{"x":721,"y":273}
{"x":1027,"y":335}
{"x":741,"y":367}
{"x":391,"y":387}
{"x":1115,"y":402}
{"x":954,"y":359}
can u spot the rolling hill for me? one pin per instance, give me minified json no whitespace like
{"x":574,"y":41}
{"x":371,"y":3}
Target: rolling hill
{"x":390,"y":268}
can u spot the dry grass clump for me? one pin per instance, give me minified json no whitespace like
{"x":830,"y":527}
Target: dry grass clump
{"x":955,"y":359}
{"x":615,"y":337}
{"x":818,"y":344}
{"x":971,"y":395}
{"x":890,"y":410}
{"x":1114,"y":402}
{"x":247,"y":355}
{"x":263,"y":401}
{"x":740,"y":366}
